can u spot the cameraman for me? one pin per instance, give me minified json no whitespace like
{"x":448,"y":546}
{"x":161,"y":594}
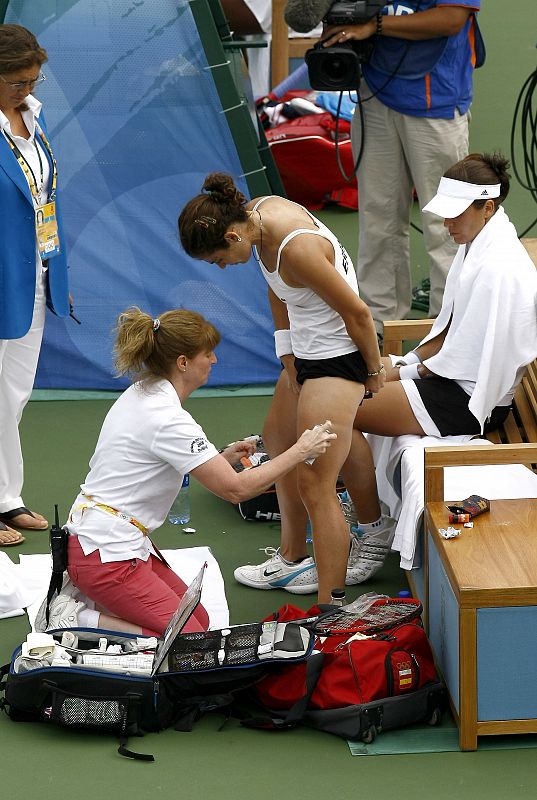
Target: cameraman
{"x":416,"y":96}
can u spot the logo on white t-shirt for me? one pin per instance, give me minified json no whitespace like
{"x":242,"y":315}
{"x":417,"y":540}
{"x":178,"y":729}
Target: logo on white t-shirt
{"x":198,"y":445}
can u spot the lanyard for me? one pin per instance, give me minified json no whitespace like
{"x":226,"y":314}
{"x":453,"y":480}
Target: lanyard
{"x":111,"y":510}
{"x":26,"y":168}
{"x":126,"y":517}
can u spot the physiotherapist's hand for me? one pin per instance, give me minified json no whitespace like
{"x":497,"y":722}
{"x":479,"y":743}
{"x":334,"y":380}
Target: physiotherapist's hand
{"x":315,"y":442}
{"x":234,"y":452}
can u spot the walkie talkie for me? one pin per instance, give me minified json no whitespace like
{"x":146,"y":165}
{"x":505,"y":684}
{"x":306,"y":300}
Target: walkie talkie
{"x":58,"y":547}
{"x":58,"y":544}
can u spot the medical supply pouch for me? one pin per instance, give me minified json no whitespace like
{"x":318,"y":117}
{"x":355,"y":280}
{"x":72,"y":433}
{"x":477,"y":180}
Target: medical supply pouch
{"x":84,"y":691}
{"x":354,"y":686}
{"x":473,"y":505}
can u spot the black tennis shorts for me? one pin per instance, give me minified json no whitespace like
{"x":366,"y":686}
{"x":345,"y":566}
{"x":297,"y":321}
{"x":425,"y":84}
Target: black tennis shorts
{"x":351,"y":367}
{"x":447,"y":405}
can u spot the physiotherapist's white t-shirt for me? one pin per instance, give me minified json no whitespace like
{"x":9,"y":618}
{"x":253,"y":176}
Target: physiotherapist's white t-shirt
{"x":148,"y":442}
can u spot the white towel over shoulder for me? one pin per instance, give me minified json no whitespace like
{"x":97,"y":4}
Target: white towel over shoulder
{"x":491,"y":299}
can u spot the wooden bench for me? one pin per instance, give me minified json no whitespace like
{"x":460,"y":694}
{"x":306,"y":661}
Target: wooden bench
{"x":479,"y":590}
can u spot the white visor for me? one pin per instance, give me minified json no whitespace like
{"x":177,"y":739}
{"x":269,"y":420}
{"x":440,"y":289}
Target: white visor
{"x":454,"y":197}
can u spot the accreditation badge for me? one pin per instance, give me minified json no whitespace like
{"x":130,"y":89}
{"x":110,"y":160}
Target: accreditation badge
{"x":46,"y":229}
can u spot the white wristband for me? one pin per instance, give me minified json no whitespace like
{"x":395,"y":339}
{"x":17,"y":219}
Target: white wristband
{"x":409,"y":372}
{"x":410,"y":358}
{"x":282,"y":342}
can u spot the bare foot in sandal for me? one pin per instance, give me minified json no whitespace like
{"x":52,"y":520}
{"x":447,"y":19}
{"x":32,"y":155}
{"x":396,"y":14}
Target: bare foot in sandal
{"x":25,"y":519}
{"x":9,"y":537}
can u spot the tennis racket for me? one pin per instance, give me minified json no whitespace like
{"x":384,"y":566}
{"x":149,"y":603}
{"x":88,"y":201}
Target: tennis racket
{"x":387,"y":612}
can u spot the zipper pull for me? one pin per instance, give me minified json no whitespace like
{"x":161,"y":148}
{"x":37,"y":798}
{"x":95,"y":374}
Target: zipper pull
{"x":156,"y":690}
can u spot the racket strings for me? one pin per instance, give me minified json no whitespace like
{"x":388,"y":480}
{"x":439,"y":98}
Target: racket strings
{"x":375,"y":618}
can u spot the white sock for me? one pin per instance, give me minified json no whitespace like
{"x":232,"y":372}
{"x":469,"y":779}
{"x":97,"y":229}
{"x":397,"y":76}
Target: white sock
{"x":372,"y":527}
{"x":88,"y":618}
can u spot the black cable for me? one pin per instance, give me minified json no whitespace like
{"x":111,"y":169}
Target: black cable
{"x":526,"y":113}
{"x":349,"y":178}
{"x":359,"y":102}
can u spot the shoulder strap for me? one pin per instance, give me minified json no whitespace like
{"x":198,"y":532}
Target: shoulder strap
{"x":297,"y":232}
{"x":296,"y":713}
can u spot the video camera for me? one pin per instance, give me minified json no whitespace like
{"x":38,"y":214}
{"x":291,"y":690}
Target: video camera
{"x":337,"y":68}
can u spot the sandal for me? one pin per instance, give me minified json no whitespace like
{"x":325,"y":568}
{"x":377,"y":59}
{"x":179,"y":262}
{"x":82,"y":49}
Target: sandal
{"x":10,"y":517}
{"x":5,"y":531}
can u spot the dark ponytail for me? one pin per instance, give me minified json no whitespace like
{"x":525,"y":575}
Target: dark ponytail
{"x":483,"y":169}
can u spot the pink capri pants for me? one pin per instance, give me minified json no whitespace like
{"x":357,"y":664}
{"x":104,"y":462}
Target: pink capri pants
{"x":145,"y":593}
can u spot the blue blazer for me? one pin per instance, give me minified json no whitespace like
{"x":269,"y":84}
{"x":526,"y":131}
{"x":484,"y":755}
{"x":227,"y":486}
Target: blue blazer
{"x":18,"y":248}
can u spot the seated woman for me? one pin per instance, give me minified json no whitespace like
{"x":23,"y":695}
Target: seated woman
{"x":461,"y":378}
{"x":148,"y":442}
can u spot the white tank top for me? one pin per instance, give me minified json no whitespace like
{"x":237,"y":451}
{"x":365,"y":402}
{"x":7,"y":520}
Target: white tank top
{"x":317,"y":330}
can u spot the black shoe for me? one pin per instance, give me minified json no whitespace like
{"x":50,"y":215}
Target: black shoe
{"x":420,"y":295}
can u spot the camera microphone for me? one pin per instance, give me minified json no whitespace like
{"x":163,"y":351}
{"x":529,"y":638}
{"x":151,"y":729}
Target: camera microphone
{"x":303,"y":16}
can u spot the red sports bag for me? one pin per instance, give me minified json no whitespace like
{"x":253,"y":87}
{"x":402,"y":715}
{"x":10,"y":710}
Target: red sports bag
{"x":355,"y":688}
{"x":392,"y":663}
{"x":304,"y":150}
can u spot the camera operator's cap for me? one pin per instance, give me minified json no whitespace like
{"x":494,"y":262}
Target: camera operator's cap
{"x":453,"y":197}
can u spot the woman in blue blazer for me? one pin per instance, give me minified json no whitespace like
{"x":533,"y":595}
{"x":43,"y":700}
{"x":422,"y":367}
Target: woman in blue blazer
{"x":33,"y":268}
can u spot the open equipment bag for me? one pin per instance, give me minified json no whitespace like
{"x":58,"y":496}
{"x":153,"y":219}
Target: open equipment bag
{"x":122,"y":684}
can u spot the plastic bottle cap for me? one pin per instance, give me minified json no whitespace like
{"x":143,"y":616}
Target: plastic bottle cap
{"x":404,"y":593}
{"x":338,"y":593}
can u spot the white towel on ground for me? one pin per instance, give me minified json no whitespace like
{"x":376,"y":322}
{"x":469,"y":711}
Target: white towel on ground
{"x":24,"y":585}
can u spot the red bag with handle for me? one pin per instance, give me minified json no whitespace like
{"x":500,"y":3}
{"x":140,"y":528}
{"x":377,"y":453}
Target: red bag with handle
{"x":355,"y":685}
{"x":304,"y":150}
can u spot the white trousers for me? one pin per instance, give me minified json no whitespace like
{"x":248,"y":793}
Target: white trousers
{"x":401,"y":153}
{"x":18,"y":365}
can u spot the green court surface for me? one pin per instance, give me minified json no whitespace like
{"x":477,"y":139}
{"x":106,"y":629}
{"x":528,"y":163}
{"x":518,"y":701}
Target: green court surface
{"x":49,"y":762}
{"x":44,"y":762}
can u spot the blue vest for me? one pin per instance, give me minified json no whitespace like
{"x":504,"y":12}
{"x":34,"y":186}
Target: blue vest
{"x":18,"y":250}
{"x":428,"y":78}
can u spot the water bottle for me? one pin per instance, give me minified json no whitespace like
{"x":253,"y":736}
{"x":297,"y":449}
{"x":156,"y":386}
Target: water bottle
{"x":179,"y":513}
{"x":337,"y":597}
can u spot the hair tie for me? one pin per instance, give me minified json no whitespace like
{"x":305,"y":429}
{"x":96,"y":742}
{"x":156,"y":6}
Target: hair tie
{"x":156,"y":325}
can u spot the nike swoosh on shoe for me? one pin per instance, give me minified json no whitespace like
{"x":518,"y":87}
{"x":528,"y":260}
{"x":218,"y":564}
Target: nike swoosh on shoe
{"x":268,"y":574}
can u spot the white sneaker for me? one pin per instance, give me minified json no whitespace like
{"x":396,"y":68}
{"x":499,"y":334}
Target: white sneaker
{"x":276,"y":573}
{"x":63,"y":610}
{"x":368,"y":552}
{"x":347,"y":506}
